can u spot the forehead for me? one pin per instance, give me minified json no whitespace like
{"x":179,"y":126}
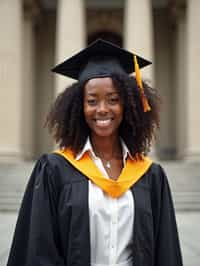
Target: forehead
{"x":100,"y":84}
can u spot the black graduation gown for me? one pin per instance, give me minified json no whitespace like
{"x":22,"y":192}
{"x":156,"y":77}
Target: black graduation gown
{"x":53,"y":223}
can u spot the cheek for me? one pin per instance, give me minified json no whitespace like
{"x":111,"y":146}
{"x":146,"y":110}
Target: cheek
{"x":120,"y":112}
{"x":87,"y":112}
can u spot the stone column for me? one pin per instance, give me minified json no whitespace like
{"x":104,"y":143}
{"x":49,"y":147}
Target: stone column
{"x":138,"y":35}
{"x":11,"y":79}
{"x":164,"y":68}
{"x":193,"y":79}
{"x":138,"y":31}
{"x":70,"y":34}
{"x":28,"y":95}
{"x":180,"y":87}
{"x":44,"y":85}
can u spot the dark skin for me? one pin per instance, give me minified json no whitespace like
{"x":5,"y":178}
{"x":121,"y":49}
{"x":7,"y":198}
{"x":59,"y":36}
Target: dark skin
{"x":103,"y":110}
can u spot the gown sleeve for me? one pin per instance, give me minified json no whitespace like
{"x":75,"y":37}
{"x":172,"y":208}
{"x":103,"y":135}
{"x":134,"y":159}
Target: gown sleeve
{"x":36,"y":237}
{"x":167,"y":246}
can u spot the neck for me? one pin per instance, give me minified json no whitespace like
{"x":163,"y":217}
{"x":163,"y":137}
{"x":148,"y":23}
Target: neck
{"x":106,"y":147}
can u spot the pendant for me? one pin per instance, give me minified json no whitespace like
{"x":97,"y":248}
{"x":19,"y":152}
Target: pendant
{"x":108,"y":164}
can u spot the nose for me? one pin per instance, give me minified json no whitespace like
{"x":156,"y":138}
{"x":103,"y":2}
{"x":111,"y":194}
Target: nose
{"x":102,"y":107}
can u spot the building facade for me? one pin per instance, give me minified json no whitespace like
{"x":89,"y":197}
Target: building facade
{"x":37,"y":34}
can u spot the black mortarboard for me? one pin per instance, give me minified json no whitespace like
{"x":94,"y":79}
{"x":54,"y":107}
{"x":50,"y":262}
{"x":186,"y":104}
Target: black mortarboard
{"x":102,"y":59}
{"x":99,"y":59}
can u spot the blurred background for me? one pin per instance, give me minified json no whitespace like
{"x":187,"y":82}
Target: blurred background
{"x":37,"y":34}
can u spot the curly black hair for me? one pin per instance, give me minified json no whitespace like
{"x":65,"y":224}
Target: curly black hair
{"x":67,"y":123}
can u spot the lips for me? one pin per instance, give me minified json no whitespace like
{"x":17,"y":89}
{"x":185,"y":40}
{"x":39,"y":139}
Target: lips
{"x":105,"y":122}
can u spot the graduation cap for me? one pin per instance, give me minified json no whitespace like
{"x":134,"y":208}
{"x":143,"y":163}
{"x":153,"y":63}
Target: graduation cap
{"x":102,"y":59}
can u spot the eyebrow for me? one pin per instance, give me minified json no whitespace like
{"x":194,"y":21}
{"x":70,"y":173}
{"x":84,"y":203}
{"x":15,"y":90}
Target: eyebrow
{"x":90,"y":94}
{"x":95,"y":94}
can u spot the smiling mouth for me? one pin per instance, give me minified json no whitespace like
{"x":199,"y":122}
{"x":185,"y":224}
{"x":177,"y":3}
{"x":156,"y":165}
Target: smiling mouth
{"x":103,"y":122}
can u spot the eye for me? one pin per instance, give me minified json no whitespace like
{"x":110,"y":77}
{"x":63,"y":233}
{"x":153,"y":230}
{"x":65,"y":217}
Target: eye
{"x":91,"y":102}
{"x":114,"y":100}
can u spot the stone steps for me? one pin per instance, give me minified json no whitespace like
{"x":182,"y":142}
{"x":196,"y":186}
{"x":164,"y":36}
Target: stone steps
{"x":186,"y":201}
{"x":13,"y":179}
{"x":184,"y":179}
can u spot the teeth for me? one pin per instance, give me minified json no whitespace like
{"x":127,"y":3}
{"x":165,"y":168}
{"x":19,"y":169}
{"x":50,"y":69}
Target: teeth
{"x":108,"y":119}
{"x":101,"y":122}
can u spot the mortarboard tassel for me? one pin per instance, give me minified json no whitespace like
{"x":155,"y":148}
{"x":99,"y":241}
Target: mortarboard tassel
{"x":145,"y":103}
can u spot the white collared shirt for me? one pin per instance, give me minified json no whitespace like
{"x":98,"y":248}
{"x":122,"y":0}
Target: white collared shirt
{"x":111,"y":220}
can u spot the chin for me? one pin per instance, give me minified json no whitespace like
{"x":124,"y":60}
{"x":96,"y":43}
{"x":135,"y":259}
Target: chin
{"x":104,"y":133}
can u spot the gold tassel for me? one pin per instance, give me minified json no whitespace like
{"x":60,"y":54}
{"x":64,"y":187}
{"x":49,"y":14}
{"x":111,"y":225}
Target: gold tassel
{"x":145,"y":103}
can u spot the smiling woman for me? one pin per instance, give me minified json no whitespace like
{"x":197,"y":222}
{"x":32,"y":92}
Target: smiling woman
{"x":103,"y":111}
{"x":99,"y":200}
{"x":103,"y":107}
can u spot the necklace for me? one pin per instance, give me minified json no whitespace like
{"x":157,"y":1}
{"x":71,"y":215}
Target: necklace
{"x":108,"y":164}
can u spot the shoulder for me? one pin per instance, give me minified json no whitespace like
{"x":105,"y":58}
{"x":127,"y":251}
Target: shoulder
{"x":157,"y":170}
{"x":156,"y":175}
{"x":53,"y":161}
{"x":47,"y":162}
{"x":54,"y":168}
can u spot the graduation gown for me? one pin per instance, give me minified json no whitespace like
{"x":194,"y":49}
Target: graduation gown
{"x":53,"y":222}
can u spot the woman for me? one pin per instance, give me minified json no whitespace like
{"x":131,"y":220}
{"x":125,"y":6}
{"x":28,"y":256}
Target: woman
{"x":99,"y":200}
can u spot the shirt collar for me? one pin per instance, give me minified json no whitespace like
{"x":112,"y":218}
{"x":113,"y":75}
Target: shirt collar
{"x":88,"y":148}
